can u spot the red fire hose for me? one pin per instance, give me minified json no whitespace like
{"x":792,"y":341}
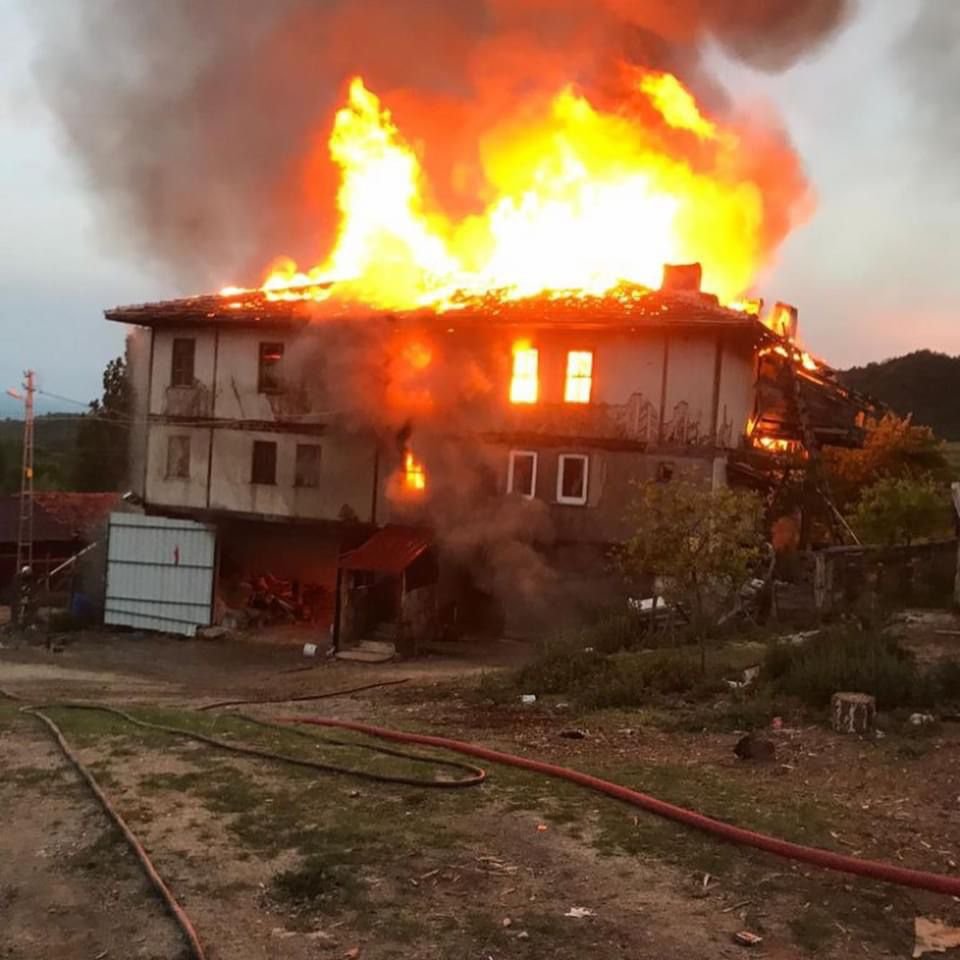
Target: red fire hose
{"x":935,"y":882}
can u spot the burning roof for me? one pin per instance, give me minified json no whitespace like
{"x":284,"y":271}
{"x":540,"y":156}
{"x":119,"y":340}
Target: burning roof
{"x":625,"y":306}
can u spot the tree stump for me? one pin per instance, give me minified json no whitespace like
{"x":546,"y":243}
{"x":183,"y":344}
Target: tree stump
{"x":853,"y":712}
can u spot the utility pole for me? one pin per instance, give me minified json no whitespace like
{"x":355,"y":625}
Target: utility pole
{"x":25,"y":527}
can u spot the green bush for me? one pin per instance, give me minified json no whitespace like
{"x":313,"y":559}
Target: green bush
{"x":629,"y":680}
{"x":846,"y":659}
{"x":626,"y":679}
{"x":561,"y":668}
{"x":945,"y":681}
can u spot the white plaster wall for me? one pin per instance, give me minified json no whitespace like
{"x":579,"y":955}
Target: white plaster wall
{"x":346,"y":476}
{"x":163,"y":358}
{"x":626,"y":365}
{"x":737,"y":387}
{"x":161,"y":490}
{"x":691,"y":368}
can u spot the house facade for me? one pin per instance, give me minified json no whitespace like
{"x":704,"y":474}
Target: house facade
{"x":299,"y":428}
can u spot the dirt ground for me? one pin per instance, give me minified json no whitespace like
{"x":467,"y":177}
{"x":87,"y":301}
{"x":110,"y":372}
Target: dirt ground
{"x":272,"y":860}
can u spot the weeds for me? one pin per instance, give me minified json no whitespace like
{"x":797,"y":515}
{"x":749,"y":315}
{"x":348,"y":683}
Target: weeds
{"x":945,"y":680}
{"x":323,"y":881}
{"x":847,"y":658}
{"x":599,"y":679}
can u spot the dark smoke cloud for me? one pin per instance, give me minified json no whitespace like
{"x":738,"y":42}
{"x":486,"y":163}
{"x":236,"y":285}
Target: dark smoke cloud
{"x":929,"y":57}
{"x":198,"y":122}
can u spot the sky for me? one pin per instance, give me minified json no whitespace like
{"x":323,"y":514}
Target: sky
{"x":873,"y":270}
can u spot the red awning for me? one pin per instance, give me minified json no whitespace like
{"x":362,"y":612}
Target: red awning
{"x":390,"y":550}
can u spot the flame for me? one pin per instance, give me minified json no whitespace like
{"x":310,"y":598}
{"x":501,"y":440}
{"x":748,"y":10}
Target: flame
{"x":414,"y":474}
{"x":579,"y":376}
{"x":750,"y":305}
{"x":580,"y":199}
{"x":408,"y":389}
{"x":780,"y":445}
{"x":676,"y":104}
{"x":525,"y":384}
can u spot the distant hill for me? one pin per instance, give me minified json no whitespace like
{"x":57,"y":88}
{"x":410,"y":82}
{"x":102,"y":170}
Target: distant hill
{"x":924,"y":383}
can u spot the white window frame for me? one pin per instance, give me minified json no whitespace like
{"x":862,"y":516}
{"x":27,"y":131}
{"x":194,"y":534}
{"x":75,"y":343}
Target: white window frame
{"x":510,"y":472}
{"x":568,"y":379}
{"x":561,"y":462}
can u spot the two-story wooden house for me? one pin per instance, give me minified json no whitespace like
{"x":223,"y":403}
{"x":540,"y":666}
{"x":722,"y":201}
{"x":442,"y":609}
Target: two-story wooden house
{"x":328,"y":443}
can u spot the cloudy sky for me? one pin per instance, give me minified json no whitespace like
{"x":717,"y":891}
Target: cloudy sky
{"x":873,"y":271}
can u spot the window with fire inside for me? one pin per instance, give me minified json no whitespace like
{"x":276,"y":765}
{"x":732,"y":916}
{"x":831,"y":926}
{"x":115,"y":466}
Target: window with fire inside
{"x":269,"y":379}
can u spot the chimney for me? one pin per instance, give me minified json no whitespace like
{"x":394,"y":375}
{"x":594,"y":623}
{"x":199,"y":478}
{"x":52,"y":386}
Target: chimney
{"x":682,"y":278}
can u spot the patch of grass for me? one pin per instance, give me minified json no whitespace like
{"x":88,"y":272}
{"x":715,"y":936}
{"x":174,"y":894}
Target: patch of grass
{"x":232,"y":795}
{"x":752,"y":709}
{"x":812,"y":929}
{"x":945,"y":679}
{"x":32,"y":776}
{"x":613,"y":829}
{"x":100,"y":856}
{"x":154,"y":782}
{"x":595,"y":680}
{"x":9,"y":713}
{"x":325,"y":882}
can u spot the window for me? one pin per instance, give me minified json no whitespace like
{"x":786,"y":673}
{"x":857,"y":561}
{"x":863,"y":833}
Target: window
{"x":181,"y":365}
{"x":572,"y":478}
{"x":524,"y":385}
{"x":522,"y":473}
{"x":307,"y":470}
{"x":579,"y":376}
{"x":268,"y":372}
{"x":178,"y":456}
{"x":264,"y":468}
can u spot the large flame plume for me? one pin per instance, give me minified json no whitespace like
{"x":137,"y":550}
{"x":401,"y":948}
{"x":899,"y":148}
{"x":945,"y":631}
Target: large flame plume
{"x":580,"y":199}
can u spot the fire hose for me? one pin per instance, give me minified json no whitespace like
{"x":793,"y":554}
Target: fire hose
{"x":475,"y":776}
{"x":876,"y":870}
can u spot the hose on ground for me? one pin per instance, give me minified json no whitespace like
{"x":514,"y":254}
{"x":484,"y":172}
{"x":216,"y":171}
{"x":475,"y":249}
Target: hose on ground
{"x":178,"y":913}
{"x":876,"y":870}
{"x":305,"y":698}
{"x":475,"y":775}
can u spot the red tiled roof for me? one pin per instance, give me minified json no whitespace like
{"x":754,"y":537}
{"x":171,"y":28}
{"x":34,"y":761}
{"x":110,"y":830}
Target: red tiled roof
{"x":58,"y":516}
{"x":390,"y":550}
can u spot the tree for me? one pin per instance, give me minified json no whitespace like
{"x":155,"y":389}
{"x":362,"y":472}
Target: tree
{"x":701,"y":544}
{"x":899,"y":510}
{"x":894,"y":447}
{"x":103,"y":440}
{"x":8,"y":476}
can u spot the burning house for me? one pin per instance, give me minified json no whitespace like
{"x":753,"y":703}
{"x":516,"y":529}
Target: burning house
{"x":448,"y":414}
{"x":330,"y":445}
